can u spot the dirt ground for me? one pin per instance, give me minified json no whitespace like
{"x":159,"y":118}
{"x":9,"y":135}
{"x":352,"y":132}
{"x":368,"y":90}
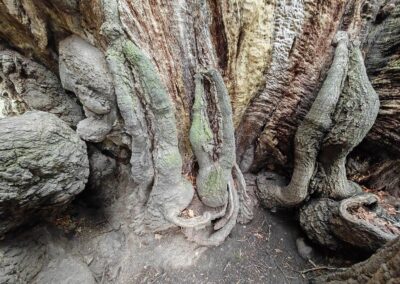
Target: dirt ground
{"x":96,"y":245}
{"x":263,"y":251}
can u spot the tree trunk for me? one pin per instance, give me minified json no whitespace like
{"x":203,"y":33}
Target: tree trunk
{"x":176,"y":100}
{"x":244,"y":39}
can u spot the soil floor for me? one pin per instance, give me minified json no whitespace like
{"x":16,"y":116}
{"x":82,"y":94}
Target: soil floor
{"x":263,"y":251}
{"x":89,"y":245}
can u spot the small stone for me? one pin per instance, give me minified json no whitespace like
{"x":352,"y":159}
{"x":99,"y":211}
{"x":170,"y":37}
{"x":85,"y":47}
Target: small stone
{"x":88,"y":259}
{"x":303,"y":249}
{"x":190,"y":213}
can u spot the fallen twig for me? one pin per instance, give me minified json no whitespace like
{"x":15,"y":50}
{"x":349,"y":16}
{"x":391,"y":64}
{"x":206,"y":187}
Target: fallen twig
{"x":312,"y":262}
{"x":320,"y":268}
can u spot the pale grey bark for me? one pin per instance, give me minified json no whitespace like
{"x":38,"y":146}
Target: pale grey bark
{"x":214,"y":174}
{"x":43,"y":166}
{"x":26,"y":85}
{"x":23,"y":259}
{"x":138,"y":91}
{"x":163,"y":193}
{"x":311,"y":132}
{"x":355,"y":114}
{"x":215,"y":180}
{"x":83,"y":70}
{"x":341,"y":116}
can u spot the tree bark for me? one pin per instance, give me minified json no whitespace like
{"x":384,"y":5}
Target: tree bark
{"x":189,"y":95}
{"x":382,"y":267}
{"x":245,"y":39}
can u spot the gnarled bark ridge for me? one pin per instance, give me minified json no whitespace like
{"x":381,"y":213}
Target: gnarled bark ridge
{"x":341,"y":116}
{"x":163,"y":193}
{"x":310,"y":134}
{"x":214,"y":182}
{"x":213,"y":176}
{"x":127,"y":88}
{"x":44,"y":165}
{"x":382,"y":267}
{"x":355,"y":114}
{"x":156,"y":162}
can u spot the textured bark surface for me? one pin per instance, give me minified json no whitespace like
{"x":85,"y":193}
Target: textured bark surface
{"x":382,"y":267}
{"x":278,"y":109}
{"x":353,"y":118}
{"x":83,"y":70}
{"x":342,"y":114}
{"x":44,"y":165}
{"x":334,"y":225}
{"x":27,"y":85}
{"x":382,"y":63}
{"x":245,"y":39}
{"x":167,"y":150}
{"x":311,"y":133}
{"x":21,"y":261}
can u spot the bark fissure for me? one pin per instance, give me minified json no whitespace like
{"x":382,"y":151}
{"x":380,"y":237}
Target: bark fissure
{"x":175,"y":100}
{"x":341,"y":116}
{"x":214,"y":182}
{"x":310,"y":133}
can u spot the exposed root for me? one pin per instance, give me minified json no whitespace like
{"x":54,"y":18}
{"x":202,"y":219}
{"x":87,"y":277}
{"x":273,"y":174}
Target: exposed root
{"x":197,"y":222}
{"x":245,"y":202}
{"x":315,"y":219}
{"x":218,"y":237}
{"x":354,"y":116}
{"x":359,"y":232}
{"x":222,"y":222}
{"x":381,"y":267}
{"x":310,"y":134}
{"x":149,"y":115}
{"x":219,"y":214}
{"x":334,"y":224}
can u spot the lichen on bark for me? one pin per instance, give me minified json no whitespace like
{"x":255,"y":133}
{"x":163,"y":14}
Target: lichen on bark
{"x":215,"y":183}
{"x":170,"y":193}
{"x":145,"y":105}
{"x":271,"y":55}
{"x":213,"y":176}
{"x":148,"y":114}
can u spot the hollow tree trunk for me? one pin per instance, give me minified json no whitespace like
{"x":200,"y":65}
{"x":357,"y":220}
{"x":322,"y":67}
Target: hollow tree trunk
{"x":140,"y":79}
{"x":244,"y":39}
